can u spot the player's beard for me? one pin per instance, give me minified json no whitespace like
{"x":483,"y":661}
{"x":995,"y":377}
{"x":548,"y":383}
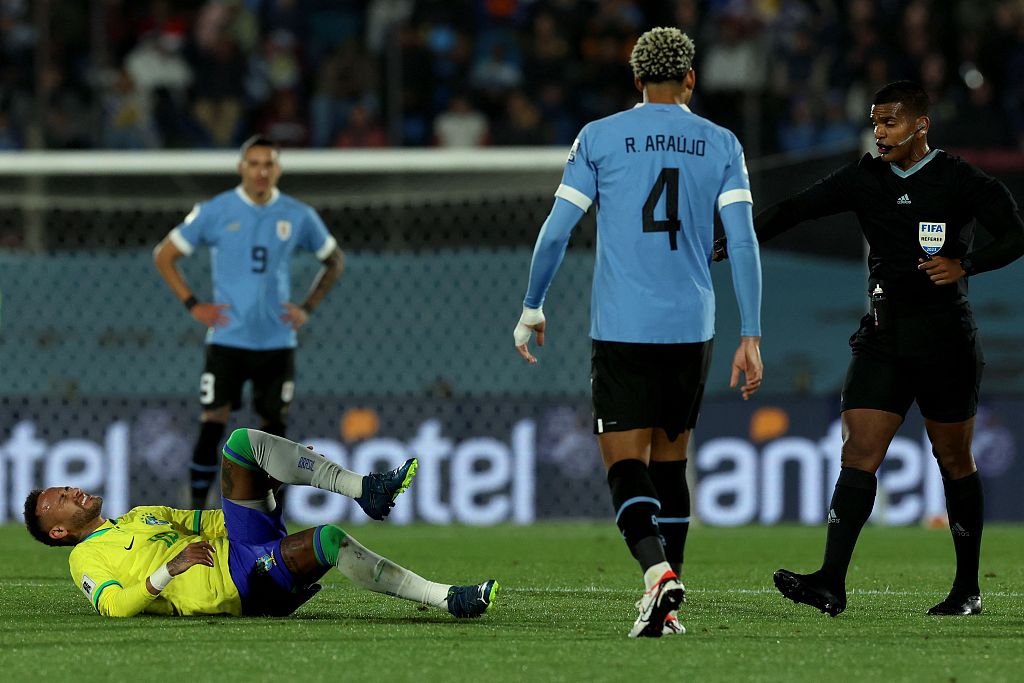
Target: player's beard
{"x":87,"y":514}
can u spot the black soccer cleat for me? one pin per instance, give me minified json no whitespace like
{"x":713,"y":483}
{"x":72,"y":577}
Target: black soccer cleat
{"x":381,"y":488}
{"x":956,"y":605}
{"x":469,"y":602}
{"x":807,"y":589}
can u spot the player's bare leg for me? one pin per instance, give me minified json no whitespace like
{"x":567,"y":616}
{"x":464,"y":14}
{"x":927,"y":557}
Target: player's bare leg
{"x":951,"y":446}
{"x":866,"y":437}
{"x":626,"y":455}
{"x":310,"y":553}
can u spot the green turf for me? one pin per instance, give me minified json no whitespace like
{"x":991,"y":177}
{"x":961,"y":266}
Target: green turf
{"x":565,"y":606}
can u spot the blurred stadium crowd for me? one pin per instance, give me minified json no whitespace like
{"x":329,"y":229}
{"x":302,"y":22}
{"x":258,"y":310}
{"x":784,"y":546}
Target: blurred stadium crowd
{"x":786,"y":75}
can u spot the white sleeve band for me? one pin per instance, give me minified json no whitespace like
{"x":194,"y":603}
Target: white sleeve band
{"x":330,"y":244}
{"x":161,"y":577}
{"x":178,"y":240}
{"x":574,"y":196}
{"x":733,"y":196}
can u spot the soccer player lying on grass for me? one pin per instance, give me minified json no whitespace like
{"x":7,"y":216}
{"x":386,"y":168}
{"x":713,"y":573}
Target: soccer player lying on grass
{"x":241,"y":559}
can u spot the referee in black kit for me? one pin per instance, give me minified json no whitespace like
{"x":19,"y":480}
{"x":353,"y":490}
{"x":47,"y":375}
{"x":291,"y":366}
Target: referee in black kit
{"x":916,"y":206}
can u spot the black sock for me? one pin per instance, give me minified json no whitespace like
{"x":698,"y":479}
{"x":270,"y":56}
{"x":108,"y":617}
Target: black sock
{"x":850,"y":508}
{"x":674,"y":518}
{"x":636,"y":505}
{"x":965,"y":505}
{"x":204,"y":461}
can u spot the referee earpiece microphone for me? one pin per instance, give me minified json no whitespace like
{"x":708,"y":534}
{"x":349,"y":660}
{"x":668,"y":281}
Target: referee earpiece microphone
{"x":910,"y":137}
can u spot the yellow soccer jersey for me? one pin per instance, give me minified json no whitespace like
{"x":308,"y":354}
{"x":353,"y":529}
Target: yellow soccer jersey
{"x":111,"y":565}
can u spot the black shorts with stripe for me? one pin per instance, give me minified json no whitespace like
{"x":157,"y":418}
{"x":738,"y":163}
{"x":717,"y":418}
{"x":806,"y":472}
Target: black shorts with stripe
{"x":228,"y":368}
{"x":639,"y":386}
{"x":933,"y":357}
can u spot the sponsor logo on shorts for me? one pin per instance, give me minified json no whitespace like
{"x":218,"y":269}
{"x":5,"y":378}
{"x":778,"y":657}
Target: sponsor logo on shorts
{"x":306,"y":464}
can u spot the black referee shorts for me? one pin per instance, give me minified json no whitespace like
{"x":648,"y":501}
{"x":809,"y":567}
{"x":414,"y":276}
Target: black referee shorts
{"x":639,"y":386}
{"x":228,"y":368}
{"x":934,"y":358}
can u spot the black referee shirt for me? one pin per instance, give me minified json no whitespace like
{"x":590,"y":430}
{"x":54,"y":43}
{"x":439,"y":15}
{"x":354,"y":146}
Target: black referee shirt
{"x":892,"y":205}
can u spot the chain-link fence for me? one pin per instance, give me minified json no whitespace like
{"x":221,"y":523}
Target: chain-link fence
{"x":412,"y":350}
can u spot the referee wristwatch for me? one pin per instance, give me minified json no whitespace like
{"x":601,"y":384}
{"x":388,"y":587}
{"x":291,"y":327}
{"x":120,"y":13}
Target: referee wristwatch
{"x":967,"y":265}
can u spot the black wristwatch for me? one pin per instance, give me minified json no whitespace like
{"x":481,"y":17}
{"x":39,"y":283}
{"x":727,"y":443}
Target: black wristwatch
{"x":190,"y":302}
{"x":967,"y":265}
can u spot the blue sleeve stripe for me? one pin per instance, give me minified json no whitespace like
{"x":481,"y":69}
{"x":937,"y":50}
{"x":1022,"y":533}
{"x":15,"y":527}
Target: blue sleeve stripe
{"x":633,"y":501}
{"x":673,"y":520}
{"x":103,"y":586}
{"x":239,"y":460}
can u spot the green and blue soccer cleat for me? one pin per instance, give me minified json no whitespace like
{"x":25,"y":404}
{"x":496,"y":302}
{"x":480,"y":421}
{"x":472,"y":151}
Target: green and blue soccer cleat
{"x":381,"y":488}
{"x":472,"y":601}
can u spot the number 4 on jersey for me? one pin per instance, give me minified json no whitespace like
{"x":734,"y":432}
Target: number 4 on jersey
{"x":668,"y":183}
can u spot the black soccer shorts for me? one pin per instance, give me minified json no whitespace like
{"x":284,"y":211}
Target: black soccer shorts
{"x":934,"y":359}
{"x":227,"y":369}
{"x":639,"y":386}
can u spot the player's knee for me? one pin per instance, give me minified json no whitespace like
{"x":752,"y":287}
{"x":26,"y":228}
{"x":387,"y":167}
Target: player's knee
{"x":861,"y":456}
{"x":239,"y":439}
{"x":953,"y":463}
{"x":327,"y":540}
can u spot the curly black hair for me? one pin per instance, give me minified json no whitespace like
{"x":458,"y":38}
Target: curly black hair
{"x":34,"y":524}
{"x":662,"y":54}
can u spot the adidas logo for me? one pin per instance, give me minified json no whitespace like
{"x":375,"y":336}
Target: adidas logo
{"x":833,"y":518}
{"x":959,"y":530}
{"x":905,"y":199}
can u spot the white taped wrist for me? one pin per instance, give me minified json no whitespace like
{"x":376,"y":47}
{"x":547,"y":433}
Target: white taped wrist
{"x":161,"y":577}
{"x":530,"y":316}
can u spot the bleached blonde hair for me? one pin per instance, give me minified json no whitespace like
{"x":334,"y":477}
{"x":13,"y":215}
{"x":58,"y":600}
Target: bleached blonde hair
{"x":662,"y":54}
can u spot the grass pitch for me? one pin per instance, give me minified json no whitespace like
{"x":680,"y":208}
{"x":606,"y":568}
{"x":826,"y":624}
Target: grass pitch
{"x":563,"y":612}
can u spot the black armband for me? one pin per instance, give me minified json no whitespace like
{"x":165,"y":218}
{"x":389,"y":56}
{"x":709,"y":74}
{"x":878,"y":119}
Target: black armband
{"x":190,"y":302}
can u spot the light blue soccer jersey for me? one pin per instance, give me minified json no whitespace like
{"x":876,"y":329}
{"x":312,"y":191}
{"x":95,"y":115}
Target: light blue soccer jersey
{"x":658,"y":173}
{"x":251,"y":246}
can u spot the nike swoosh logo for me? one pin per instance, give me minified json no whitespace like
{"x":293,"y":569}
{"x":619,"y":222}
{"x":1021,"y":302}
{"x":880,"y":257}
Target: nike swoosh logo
{"x":129,"y":546}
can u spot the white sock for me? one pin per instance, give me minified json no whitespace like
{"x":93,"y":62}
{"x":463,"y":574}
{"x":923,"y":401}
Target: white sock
{"x":654,"y":574}
{"x":380,"y":575}
{"x":292,"y":463}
